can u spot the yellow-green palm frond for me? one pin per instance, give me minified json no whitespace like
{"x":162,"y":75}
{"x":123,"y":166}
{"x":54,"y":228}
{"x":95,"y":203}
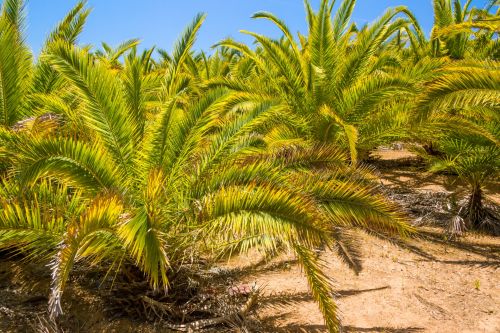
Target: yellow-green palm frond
{"x":462,"y":88}
{"x":92,"y":235}
{"x":13,"y":15}
{"x":352,"y":201}
{"x":75,"y":163}
{"x":282,"y":216}
{"x":110,"y":57}
{"x":320,"y":286}
{"x":106,"y":112}
{"x":143,"y":232}
{"x":15,"y":64}
{"x":455,"y":29}
{"x":304,"y":157}
{"x":32,"y":222}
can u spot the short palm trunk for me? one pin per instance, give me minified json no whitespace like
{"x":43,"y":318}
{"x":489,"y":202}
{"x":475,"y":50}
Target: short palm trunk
{"x":478,"y":216}
{"x":475,"y":211}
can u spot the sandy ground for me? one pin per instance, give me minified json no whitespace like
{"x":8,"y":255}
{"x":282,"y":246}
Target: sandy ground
{"x":447,"y":288}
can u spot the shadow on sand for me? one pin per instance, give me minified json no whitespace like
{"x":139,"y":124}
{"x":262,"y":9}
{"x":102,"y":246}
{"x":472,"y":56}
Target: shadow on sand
{"x":346,"y":329}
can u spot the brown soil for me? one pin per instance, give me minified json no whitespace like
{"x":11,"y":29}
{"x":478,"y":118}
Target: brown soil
{"x":447,"y":288}
{"x":424,"y":285}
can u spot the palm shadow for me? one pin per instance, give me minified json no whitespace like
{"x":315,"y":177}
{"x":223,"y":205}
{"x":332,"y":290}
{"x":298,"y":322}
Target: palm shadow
{"x":264,"y":265}
{"x":472,"y":263}
{"x":354,"y":329}
{"x":282,"y":300}
{"x":490,"y":251}
{"x":487,"y":250}
{"x":348,"y":329}
{"x":296,"y":329}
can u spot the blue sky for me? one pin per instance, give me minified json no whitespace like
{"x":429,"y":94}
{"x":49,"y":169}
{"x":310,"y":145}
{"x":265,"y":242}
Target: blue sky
{"x":159,"y":22}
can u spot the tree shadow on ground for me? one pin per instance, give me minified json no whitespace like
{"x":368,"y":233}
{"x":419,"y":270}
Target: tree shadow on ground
{"x":354,"y":329}
{"x":487,"y":250}
{"x":281,"y":300}
{"x":473,"y":263}
{"x":414,"y":245}
{"x":297,"y":329}
{"x":264,"y":265}
{"x":405,"y":244}
{"x":409,"y":179}
{"x":346,"y":329}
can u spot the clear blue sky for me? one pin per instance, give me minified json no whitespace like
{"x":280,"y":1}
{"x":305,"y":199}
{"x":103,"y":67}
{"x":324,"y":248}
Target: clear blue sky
{"x":159,"y":22}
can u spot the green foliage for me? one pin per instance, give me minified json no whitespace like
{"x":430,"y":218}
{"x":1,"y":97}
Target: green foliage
{"x":454,"y":24}
{"x":15,"y":63}
{"x":332,"y":83}
{"x":460,"y":112}
{"x":114,"y":156}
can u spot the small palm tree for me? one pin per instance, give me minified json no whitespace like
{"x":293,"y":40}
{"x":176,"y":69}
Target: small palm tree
{"x":475,"y":162}
{"x":459,"y":111}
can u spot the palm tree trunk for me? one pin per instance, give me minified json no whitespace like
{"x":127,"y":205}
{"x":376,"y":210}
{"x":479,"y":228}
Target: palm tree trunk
{"x":475,"y":210}
{"x":430,"y":149}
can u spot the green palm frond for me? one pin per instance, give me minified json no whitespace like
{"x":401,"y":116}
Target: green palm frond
{"x":106,"y":111}
{"x":13,"y":15}
{"x":81,"y":165}
{"x":181,"y":51}
{"x":140,"y":88}
{"x":71,"y":26}
{"x":45,"y":78}
{"x":320,"y":286}
{"x":15,"y":64}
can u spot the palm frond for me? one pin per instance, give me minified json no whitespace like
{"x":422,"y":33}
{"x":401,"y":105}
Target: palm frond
{"x":78,"y":164}
{"x":106,"y":111}
{"x":94,"y":231}
{"x":320,"y":286}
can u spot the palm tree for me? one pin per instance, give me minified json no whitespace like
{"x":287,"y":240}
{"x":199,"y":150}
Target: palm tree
{"x":459,"y":111}
{"x":475,"y":161}
{"x":335,"y":79}
{"x":454,"y":25}
{"x":155,"y":172}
